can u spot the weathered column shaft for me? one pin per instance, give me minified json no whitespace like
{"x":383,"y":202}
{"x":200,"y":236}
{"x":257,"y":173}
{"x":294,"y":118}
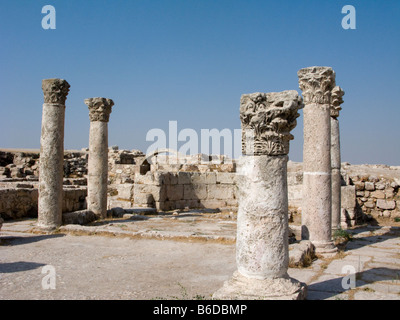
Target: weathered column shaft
{"x":316,"y":84}
{"x":98,"y":168}
{"x":316,"y":210}
{"x":99,"y":112}
{"x":336,"y":176}
{"x":262,"y":233}
{"x":262,"y":244}
{"x":51,"y":162}
{"x":336,"y":99}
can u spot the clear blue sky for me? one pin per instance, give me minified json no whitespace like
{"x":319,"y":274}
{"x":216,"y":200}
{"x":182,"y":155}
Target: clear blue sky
{"x":190,"y":61}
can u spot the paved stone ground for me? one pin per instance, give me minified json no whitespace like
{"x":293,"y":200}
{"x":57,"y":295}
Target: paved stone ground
{"x":177,"y":257}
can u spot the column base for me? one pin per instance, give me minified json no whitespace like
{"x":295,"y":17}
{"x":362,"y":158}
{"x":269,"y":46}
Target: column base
{"x":324,"y":247}
{"x":240,"y":287}
{"x":45,"y":228}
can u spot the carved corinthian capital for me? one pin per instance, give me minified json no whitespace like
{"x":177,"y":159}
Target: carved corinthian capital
{"x":99,"y":108}
{"x":269,"y":118}
{"x":336,"y":100}
{"x":55,"y":90}
{"x":316,"y":84}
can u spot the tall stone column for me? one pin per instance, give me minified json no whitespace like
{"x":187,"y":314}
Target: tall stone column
{"x":99,"y":114}
{"x":317,"y":84}
{"x":52,"y":154}
{"x":262,"y":248}
{"x":336,"y":101}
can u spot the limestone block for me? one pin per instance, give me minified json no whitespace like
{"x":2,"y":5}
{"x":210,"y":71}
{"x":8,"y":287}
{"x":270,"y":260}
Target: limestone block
{"x":386,"y":204}
{"x":360,"y":193}
{"x":378,"y":194}
{"x":121,"y":204}
{"x":141,"y":199}
{"x":175,"y":192}
{"x":389,"y":193}
{"x":211,"y":178}
{"x":198,"y":178}
{"x":348,"y":195}
{"x":380,"y":186}
{"x":220,"y":192}
{"x":369,"y":186}
{"x":147,"y":178}
{"x":195,"y":192}
{"x":184,"y":178}
{"x":125,"y":191}
{"x":161,"y":177}
{"x":360,"y":186}
{"x":172,"y":178}
{"x":226,"y":177}
{"x":369,"y":204}
{"x":301,"y":254}
{"x":78,"y":217}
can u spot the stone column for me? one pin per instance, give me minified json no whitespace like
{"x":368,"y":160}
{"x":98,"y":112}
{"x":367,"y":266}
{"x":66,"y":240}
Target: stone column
{"x":262,"y":248}
{"x":99,"y":114}
{"x":317,"y":84}
{"x":52,"y":154}
{"x":336,"y":101}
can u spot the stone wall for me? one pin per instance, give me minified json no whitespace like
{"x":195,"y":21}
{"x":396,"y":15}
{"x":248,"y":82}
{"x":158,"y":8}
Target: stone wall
{"x":376,"y":188}
{"x":368,"y":191}
{"x":22,"y":201}
{"x":25,"y":165}
{"x":178,"y":190}
{"x":19,"y":164}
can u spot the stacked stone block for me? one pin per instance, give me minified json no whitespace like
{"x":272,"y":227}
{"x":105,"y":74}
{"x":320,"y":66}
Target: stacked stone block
{"x":169,"y":190}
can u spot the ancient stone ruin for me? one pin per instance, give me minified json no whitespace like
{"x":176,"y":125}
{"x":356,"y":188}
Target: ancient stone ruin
{"x":51,"y":153}
{"x":270,"y":198}
{"x":317,"y":84}
{"x":99,"y":114}
{"x":262,"y":248}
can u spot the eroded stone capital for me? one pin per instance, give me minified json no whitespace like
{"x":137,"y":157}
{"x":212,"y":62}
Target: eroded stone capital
{"x":269,"y":118}
{"x":55,"y":90}
{"x":99,"y":108}
{"x":316,"y":84}
{"x":336,"y":100}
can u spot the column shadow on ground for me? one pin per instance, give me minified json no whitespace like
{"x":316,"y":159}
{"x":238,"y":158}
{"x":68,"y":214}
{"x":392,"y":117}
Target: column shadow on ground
{"x":360,"y":242}
{"x":11,"y":267}
{"x":15,"y":241}
{"x":330,"y":288}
